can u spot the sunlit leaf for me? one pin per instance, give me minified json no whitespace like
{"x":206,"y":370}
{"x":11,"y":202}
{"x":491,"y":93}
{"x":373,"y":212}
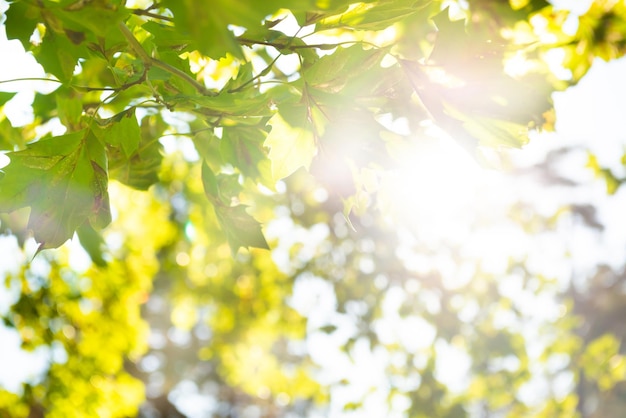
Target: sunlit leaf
{"x":57,"y":178}
{"x":291,"y":147}
{"x":375,"y":15}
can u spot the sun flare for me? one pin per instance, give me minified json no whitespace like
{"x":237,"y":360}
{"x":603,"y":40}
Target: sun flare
{"x":433,"y":189}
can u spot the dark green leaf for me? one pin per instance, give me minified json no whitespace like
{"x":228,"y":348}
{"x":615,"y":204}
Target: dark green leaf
{"x":123,"y":131}
{"x":57,"y":55}
{"x":208,"y":25}
{"x":243,"y":148}
{"x":93,"y":243}
{"x":141,"y":169}
{"x":5,"y":97}
{"x":21,"y":20}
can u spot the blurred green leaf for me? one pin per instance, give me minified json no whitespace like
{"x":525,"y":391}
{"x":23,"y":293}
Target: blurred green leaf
{"x":241,"y":229}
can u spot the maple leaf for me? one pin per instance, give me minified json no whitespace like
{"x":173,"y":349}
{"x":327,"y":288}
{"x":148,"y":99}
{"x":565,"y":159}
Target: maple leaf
{"x":63,"y":179}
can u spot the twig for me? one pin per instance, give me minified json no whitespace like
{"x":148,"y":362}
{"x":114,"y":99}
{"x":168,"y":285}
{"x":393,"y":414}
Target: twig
{"x":289,"y":46}
{"x":54,"y":80}
{"x":149,"y":61}
{"x":142,"y":12}
{"x":265,"y":71}
{"x":190,"y":133}
{"x":31,"y":79}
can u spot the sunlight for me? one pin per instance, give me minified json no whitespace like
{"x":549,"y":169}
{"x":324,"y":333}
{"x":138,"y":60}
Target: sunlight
{"x":433,"y":190}
{"x":517,"y":65}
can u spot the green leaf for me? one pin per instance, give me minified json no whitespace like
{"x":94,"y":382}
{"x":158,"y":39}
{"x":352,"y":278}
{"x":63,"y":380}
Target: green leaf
{"x":241,"y":229}
{"x":291,"y":147}
{"x":97,"y":18}
{"x":209,"y":182}
{"x":311,"y":11}
{"x":348,"y":206}
{"x":226,"y":104}
{"x":123,"y":131}
{"x":452,"y":43}
{"x":21,"y":21}
{"x":57,"y":55}
{"x":208,"y":23}
{"x":140,"y":169}
{"x":92,"y":242}
{"x":69,"y":107}
{"x":490,"y":131}
{"x":374,"y":15}
{"x":328,"y":329}
{"x":101,"y":214}
{"x":165,"y":36}
{"x":57,"y":178}
{"x":332,"y":72}
{"x":243,"y":148}
{"x":352,"y":406}
{"x":44,"y":106}
{"x":10,"y":137}
{"x":5,"y":97}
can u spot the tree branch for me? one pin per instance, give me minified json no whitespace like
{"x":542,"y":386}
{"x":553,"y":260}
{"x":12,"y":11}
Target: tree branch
{"x":142,"y":12}
{"x":149,"y":61}
{"x":54,"y":80}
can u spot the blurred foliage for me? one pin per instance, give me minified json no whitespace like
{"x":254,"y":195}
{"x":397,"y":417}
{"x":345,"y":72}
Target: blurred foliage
{"x":228,"y":175}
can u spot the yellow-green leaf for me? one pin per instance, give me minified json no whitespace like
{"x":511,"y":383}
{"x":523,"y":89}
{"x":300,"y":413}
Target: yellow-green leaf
{"x":291,"y":147}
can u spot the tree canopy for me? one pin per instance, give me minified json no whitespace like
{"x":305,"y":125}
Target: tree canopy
{"x":232,"y":208}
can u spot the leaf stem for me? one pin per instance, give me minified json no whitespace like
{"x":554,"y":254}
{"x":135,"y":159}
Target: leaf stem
{"x":265,"y":71}
{"x":149,"y":61}
{"x":134,"y":43}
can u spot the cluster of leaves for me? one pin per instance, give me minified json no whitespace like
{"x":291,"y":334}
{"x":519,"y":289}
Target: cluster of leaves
{"x":142,"y":59}
{"x":185,"y":122}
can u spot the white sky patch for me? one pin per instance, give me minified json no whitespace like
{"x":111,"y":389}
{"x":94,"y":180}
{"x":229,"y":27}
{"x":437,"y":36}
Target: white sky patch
{"x":578,"y":7}
{"x":594,"y":112}
{"x":23,"y":65}
{"x":191,"y":400}
{"x":308,"y":239}
{"x":16,"y":365}
{"x":367,"y":383}
{"x":452,"y":365}
{"x":78,"y":258}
